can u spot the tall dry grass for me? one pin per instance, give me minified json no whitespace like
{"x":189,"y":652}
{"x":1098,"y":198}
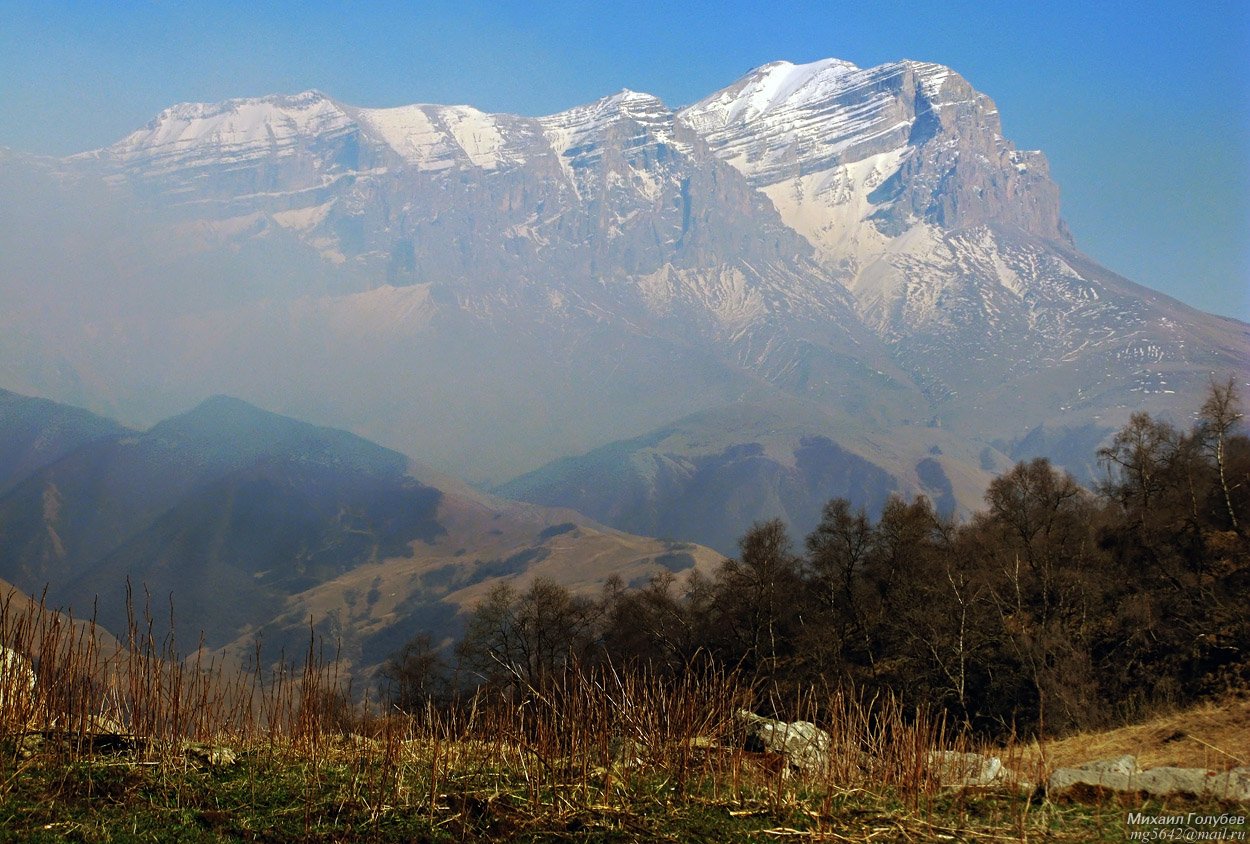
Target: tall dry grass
{"x":604,"y":737}
{"x":143,"y":687}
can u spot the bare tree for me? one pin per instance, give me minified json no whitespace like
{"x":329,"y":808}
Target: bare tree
{"x":524,"y":639}
{"x":1218,"y":419}
{"x":758,"y":596}
{"x":416,"y":674}
{"x":838,"y":550}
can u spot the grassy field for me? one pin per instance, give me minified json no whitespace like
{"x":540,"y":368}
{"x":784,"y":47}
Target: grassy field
{"x":357,"y":793}
{"x":132,"y":744}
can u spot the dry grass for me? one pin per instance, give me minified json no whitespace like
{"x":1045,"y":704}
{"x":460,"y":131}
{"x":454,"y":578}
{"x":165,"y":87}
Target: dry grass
{"x":90,"y":683}
{"x":1214,"y":735}
{"x":599,"y":755}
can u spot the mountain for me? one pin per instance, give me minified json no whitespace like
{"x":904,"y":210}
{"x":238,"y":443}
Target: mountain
{"x":951,"y":241}
{"x":254,"y":525}
{"x":709,"y":476}
{"x":38,"y":432}
{"x":598,"y":235}
{"x":859,"y":251}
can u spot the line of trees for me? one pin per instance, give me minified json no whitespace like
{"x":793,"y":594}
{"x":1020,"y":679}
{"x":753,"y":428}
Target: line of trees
{"x":1054,"y":608}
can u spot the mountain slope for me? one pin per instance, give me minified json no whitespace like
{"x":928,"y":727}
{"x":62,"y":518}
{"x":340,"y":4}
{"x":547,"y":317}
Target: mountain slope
{"x":254,"y":524}
{"x":38,"y":432}
{"x":708,"y":477}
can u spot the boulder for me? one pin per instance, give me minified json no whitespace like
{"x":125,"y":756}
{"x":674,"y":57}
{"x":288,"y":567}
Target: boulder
{"x":103,"y":725}
{"x":1126,"y":765}
{"x":1195,"y":782}
{"x":804,"y":745}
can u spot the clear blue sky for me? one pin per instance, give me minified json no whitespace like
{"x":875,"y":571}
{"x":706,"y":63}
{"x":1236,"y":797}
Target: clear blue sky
{"x":1142,"y":107}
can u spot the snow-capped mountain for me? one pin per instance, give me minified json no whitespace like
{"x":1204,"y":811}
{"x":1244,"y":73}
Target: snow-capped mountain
{"x":493,"y":291}
{"x":951,"y":239}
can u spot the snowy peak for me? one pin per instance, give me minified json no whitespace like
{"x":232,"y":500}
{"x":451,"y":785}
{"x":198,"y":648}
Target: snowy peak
{"x":636,"y":126}
{"x":569,"y":130}
{"x":770,"y":87}
{"x":623,"y":104}
{"x":434,"y":137}
{"x":900,"y":177}
{"x":783,"y":117}
{"x":234,"y":129}
{"x":838,"y":147}
{"x":303,"y":102}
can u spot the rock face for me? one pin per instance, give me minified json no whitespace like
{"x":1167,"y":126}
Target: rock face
{"x":913,"y":140}
{"x":501,"y":291}
{"x":1122,"y":775}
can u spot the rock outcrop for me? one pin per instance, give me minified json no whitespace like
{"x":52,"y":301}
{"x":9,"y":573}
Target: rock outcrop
{"x":955,"y":769}
{"x":1121,"y":775}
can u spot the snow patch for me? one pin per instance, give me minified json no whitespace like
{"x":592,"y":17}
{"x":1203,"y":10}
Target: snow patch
{"x":433,"y":137}
{"x":783,"y":117}
{"x":410,"y":131}
{"x":477,"y":133}
{"x":829,"y":207}
{"x":783,"y":83}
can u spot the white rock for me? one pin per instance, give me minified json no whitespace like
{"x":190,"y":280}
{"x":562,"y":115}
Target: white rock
{"x":17,"y":683}
{"x":966,"y":770}
{"x":804,"y":745}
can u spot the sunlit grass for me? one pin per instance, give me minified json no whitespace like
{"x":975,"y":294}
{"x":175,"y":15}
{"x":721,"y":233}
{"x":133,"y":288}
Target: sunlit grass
{"x":137,"y":742}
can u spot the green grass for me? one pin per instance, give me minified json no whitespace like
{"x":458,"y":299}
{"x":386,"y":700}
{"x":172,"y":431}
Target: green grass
{"x":348,"y":795}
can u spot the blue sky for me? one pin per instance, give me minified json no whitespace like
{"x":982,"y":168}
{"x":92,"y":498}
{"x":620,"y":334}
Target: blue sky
{"x":1143,"y":108}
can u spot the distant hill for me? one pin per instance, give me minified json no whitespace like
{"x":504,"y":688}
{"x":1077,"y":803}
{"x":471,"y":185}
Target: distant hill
{"x":709,"y":476}
{"x":255,"y":524}
{"x":37,"y":432}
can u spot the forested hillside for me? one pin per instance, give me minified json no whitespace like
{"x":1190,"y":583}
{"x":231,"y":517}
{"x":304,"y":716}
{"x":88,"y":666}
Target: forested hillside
{"x":1054,"y":608}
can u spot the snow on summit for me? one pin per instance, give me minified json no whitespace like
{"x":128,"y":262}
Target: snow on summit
{"x":835,"y":232}
{"x":434,"y":137}
{"x":773,"y":85}
{"x":572,"y":134}
{"x":235,"y":126}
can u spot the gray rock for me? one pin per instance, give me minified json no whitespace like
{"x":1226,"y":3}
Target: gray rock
{"x":1121,"y":775}
{"x":1126,"y":765}
{"x":804,"y":745}
{"x":103,"y":725}
{"x":1195,"y":782}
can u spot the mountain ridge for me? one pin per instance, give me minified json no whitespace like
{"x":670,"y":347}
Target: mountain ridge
{"x":502,"y":291}
{"x":254,"y":525}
